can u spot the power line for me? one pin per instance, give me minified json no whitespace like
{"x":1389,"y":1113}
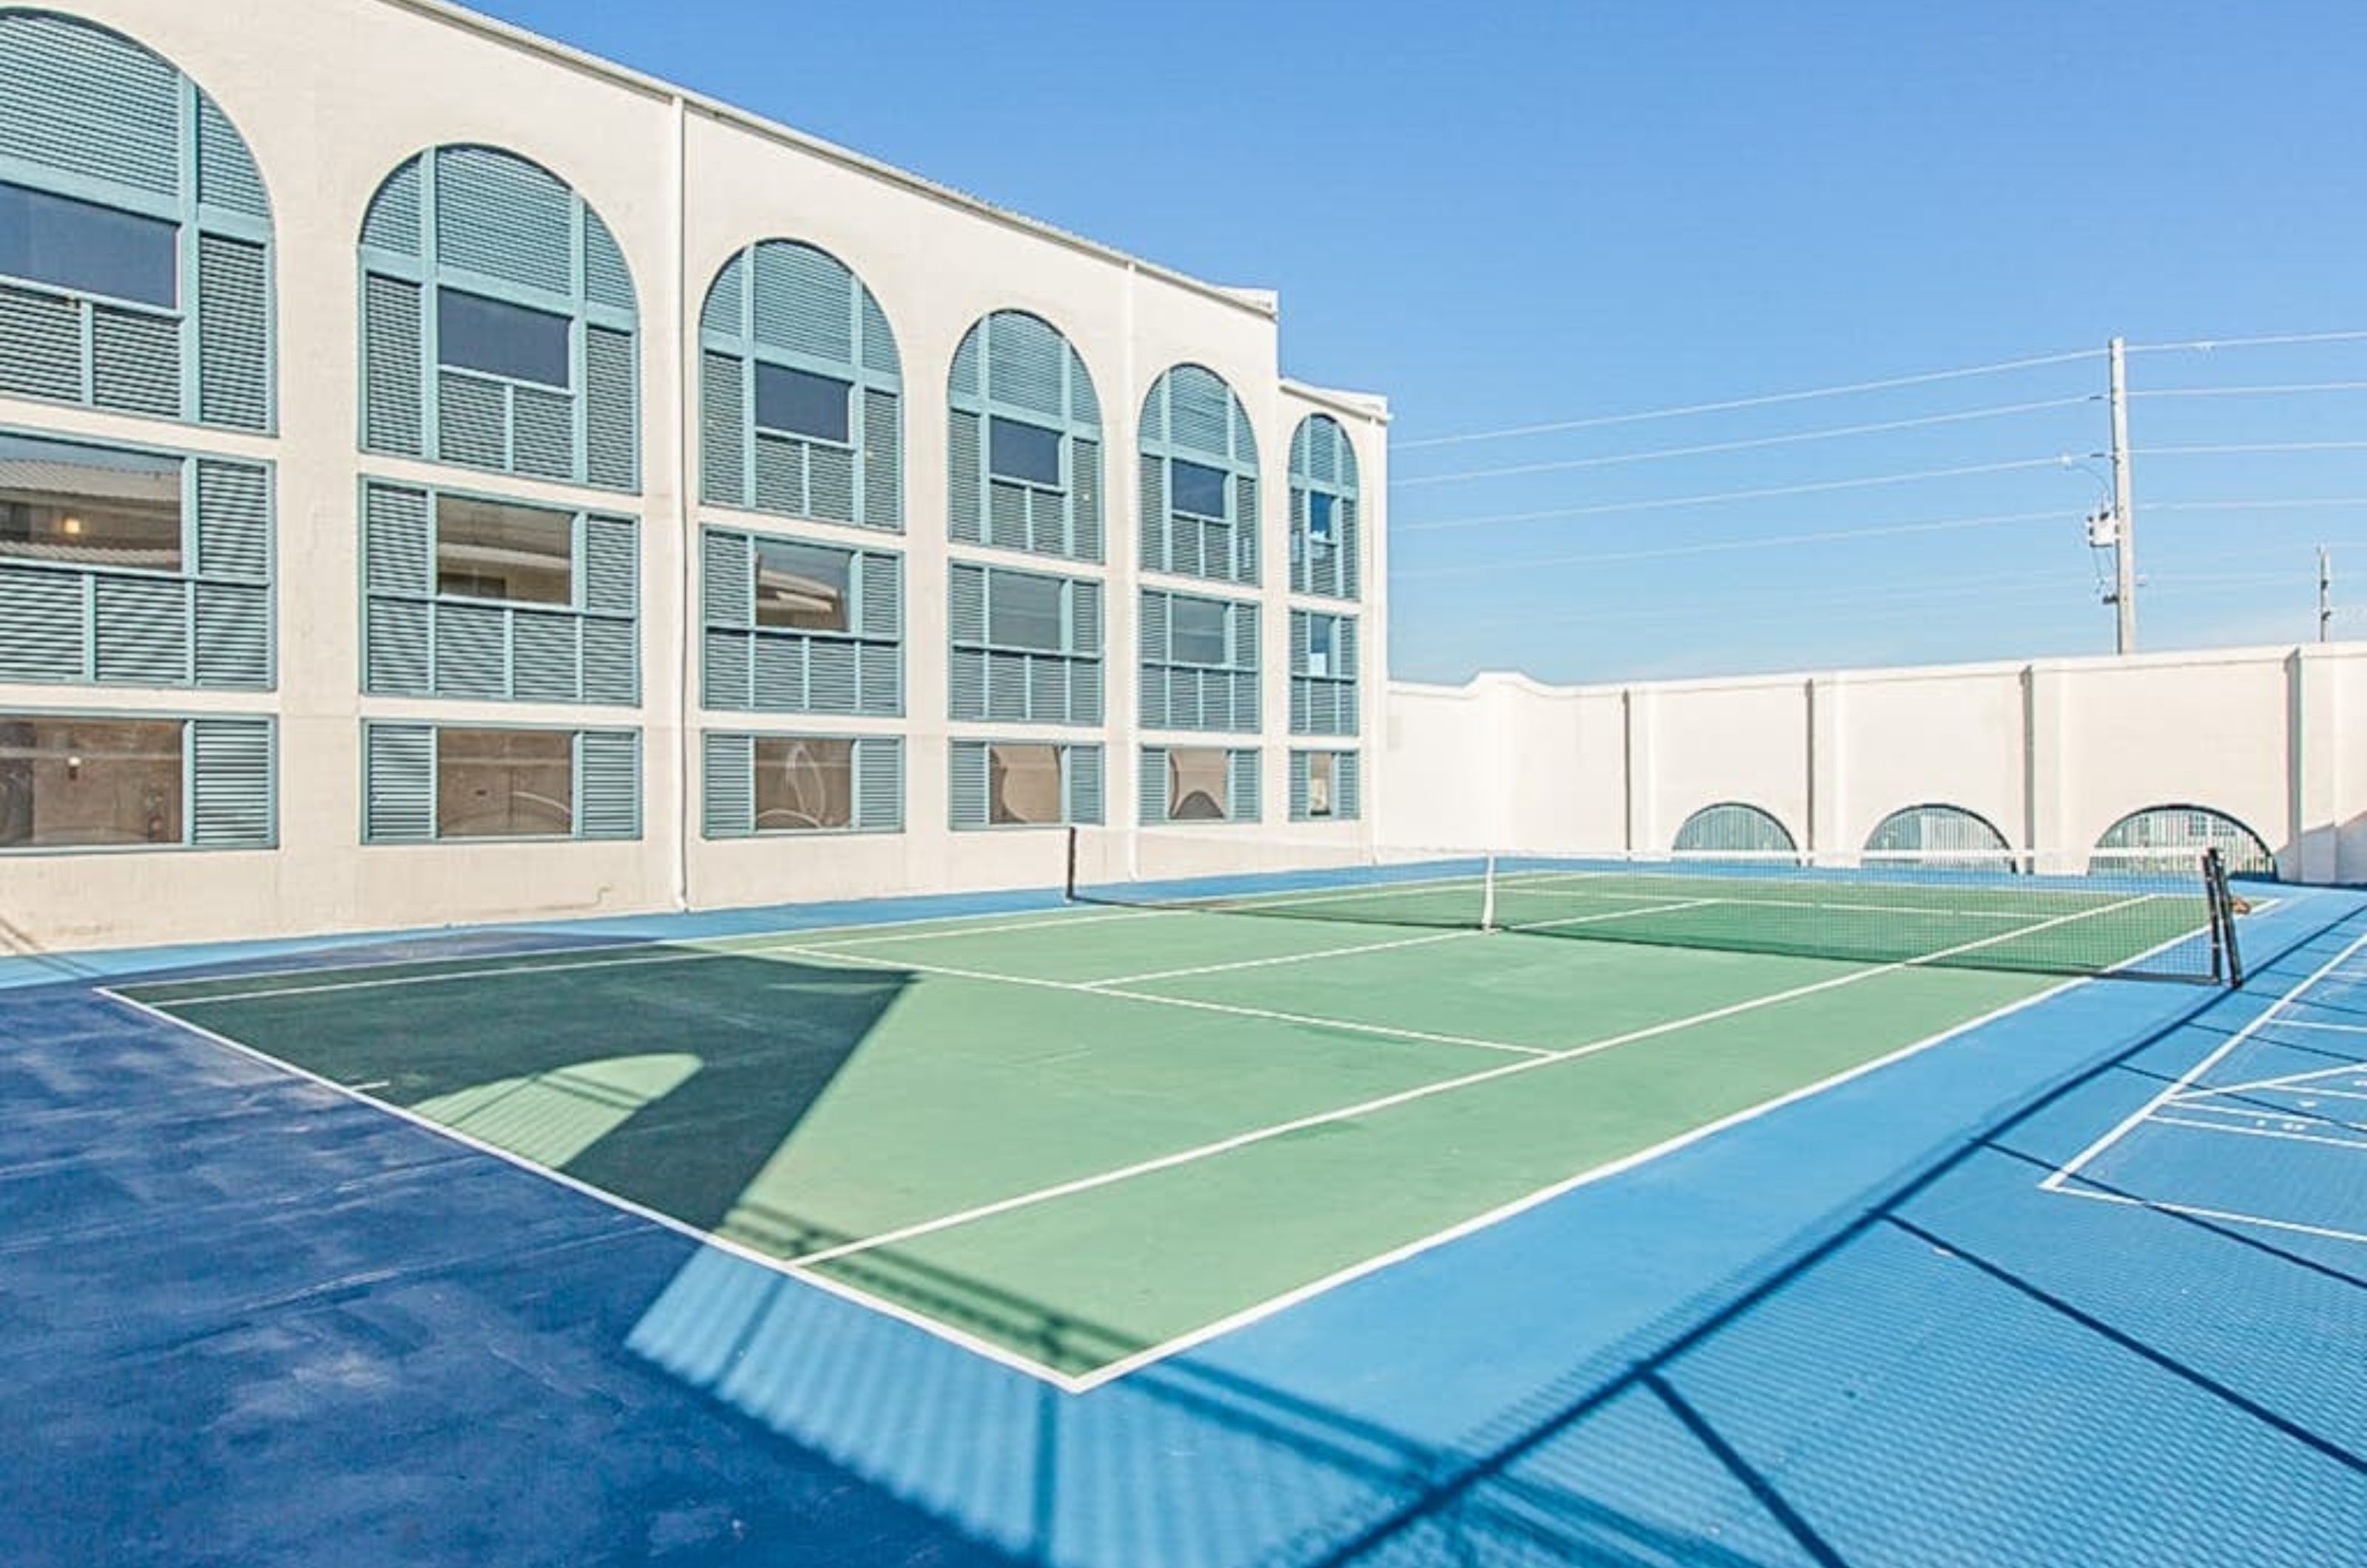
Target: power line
{"x":2298,"y":503}
{"x":2230,"y":448}
{"x":1990,"y":589}
{"x":1599,"y":421}
{"x":2276,"y":341}
{"x":2275,"y":390}
{"x":1716,"y":547}
{"x":1995,"y":411}
{"x":1667,"y":503}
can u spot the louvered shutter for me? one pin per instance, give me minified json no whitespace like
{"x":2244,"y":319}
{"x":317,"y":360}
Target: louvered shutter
{"x":231,"y":784}
{"x":722,"y":430}
{"x":1153,"y":785}
{"x":1243,"y":784}
{"x":728,"y":785}
{"x":968,"y":783}
{"x":965,"y":615}
{"x":1084,"y":780}
{"x":879,"y":784}
{"x":392,"y":367}
{"x":611,"y":409}
{"x":233,"y":332}
{"x":608,"y":771}
{"x":1347,"y":786}
{"x":398,"y":784}
{"x":1298,"y":768}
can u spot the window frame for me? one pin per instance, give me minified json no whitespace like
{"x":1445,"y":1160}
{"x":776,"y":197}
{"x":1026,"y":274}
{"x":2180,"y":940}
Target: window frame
{"x":1060,"y":483}
{"x":848,"y":388}
{"x":185,"y":722}
{"x":174,"y":308}
{"x":851,"y":600}
{"x":186,"y":501}
{"x":567,"y":324}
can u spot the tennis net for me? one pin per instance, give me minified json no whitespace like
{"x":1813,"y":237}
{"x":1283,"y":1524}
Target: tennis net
{"x":2150,"y":913}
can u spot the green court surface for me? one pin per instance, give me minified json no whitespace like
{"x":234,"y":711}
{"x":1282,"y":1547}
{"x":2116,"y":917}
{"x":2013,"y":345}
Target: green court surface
{"x":1079,"y":1139}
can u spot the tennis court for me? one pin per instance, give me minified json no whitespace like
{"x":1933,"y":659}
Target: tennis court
{"x":1080,"y":1139}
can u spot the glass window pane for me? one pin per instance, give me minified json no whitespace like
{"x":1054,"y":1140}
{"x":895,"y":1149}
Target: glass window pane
{"x":804,"y":586}
{"x":88,"y":248}
{"x":1318,"y":518}
{"x":1196,"y":634}
{"x":473,"y":333}
{"x":1320,"y":630}
{"x":73,"y":782}
{"x":490,"y":549}
{"x":801,"y":404}
{"x":1023,"y":611}
{"x":1318,"y":783}
{"x":1023,"y":784}
{"x":804,"y":785}
{"x":1029,"y":453}
{"x":1196,"y":489}
{"x":89,"y":505}
{"x":504,"y":784}
{"x":1198,"y":785}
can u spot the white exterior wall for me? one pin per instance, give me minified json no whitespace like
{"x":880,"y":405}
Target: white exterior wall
{"x":331,"y":95}
{"x":2052,"y":753}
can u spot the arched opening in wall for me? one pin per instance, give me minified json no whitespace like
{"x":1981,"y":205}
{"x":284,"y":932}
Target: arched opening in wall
{"x":2169,"y":838}
{"x":1734,"y":829}
{"x":1939,"y":834}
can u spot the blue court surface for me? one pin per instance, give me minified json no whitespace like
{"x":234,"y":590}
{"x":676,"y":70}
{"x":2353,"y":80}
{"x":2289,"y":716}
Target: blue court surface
{"x":2083,"y":1283}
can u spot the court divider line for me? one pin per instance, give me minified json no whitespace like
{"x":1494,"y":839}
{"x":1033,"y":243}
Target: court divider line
{"x":2230,"y":1216}
{"x":2186,"y":1080}
{"x":950,"y":1333}
{"x":2356,"y":1146}
{"x":2329,"y":1027}
{"x":1369,"y":1107}
{"x":2290,"y":1081}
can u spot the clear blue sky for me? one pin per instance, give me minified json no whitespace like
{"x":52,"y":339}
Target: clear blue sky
{"x":1506,"y":215}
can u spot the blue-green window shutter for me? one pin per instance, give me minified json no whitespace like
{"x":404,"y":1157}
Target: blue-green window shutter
{"x":489,"y":223}
{"x":232,"y":783}
{"x":728,"y":785}
{"x":398,"y":784}
{"x":1243,"y":784}
{"x":1193,"y":416}
{"x":1299,"y":791}
{"x":1347,"y":786}
{"x":879,"y":784}
{"x":92,"y":115}
{"x":608,"y":784}
{"x":1153,"y":785}
{"x":1082,"y":768}
{"x":1323,"y":464}
{"x":1012,"y":365}
{"x":232,"y":631}
{"x":780,"y":670}
{"x":969,"y":768}
{"x":789,"y":305}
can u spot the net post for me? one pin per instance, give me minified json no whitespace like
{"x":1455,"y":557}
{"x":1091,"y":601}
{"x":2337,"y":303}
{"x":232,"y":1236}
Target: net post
{"x":1069,"y":884}
{"x":1487,"y":895}
{"x":2226,"y":957}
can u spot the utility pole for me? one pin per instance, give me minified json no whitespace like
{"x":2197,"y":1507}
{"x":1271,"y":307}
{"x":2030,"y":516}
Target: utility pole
{"x":2324,"y":593}
{"x":2124,"y":523}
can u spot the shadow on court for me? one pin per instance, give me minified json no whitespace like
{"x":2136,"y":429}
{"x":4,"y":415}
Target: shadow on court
{"x":668,"y":1076}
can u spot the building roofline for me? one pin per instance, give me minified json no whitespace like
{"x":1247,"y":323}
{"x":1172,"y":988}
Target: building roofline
{"x":514,"y":36}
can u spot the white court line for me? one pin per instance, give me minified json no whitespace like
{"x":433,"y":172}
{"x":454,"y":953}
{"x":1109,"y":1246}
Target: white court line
{"x":1271,"y":962}
{"x":1106,"y":988}
{"x":2230,"y":1216}
{"x":2329,"y":1027}
{"x":2290,"y":1081}
{"x":2186,"y":1080}
{"x":2358,"y":1145}
{"x":1370,"y":1107}
{"x":894,"y":935}
{"x":1610,"y":915}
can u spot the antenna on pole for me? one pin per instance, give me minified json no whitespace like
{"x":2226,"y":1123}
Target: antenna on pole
{"x":2125,"y":529}
{"x":2324,"y":593}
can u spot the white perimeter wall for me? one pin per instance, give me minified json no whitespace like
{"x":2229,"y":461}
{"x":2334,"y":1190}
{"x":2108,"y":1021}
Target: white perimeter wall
{"x":2053,"y":752}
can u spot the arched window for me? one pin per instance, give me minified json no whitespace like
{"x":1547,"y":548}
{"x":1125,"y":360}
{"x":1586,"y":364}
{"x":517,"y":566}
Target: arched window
{"x":1323,"y":545}
{"x":800,"y":392}
{"x":1940,"y":835}
{"x":1734,"y":829}
{"x":1199,"y":479}
{"x":2181,"y":832}
{"x":498,"y":324}
{"x":1025,"y":439}
{"x":135,"y":234}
